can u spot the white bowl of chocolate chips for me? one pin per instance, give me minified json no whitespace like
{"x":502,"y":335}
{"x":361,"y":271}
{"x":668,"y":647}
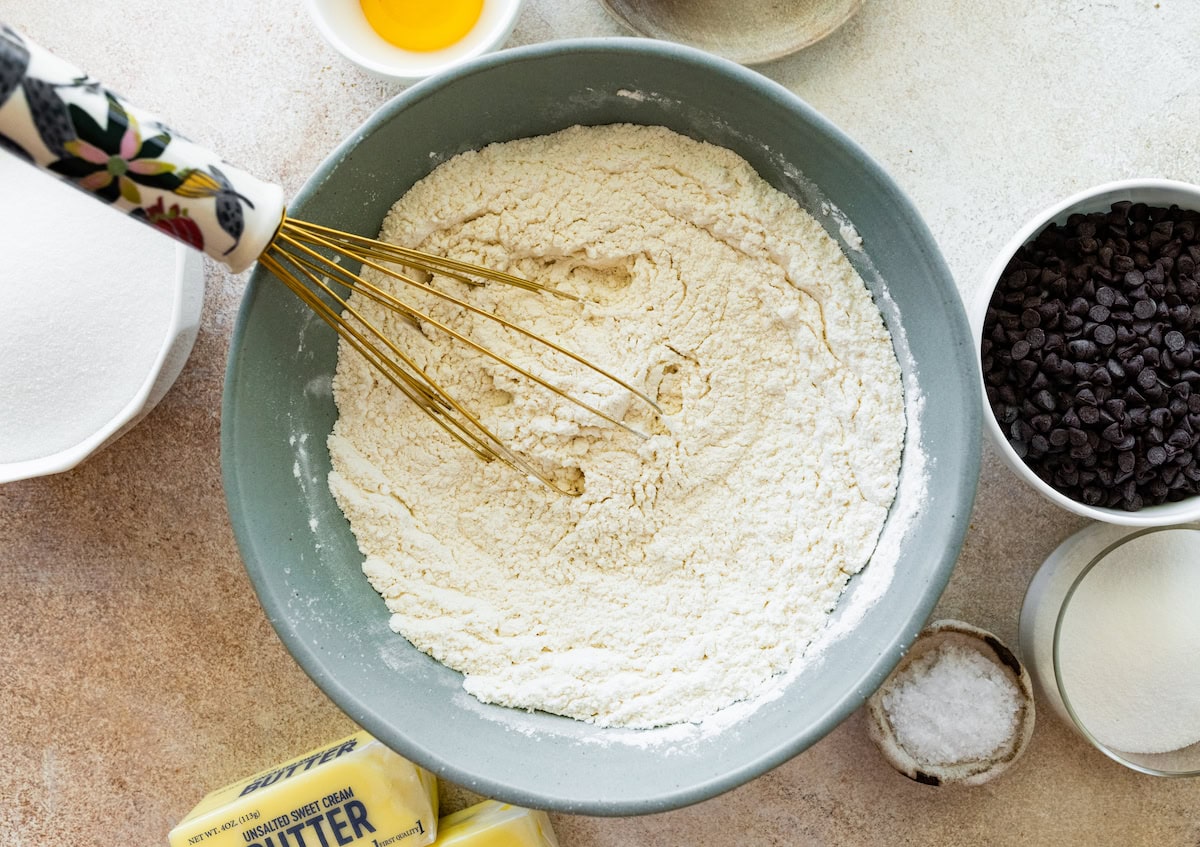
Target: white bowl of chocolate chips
{"x":1088,"y":335}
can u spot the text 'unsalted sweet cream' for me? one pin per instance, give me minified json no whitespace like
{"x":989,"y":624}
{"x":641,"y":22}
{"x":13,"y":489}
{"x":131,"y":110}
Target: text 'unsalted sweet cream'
{"x":353,"y":792}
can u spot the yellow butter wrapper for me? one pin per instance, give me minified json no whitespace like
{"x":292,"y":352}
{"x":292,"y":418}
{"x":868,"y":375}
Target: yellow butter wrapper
{"x":353,"y":792}
{"x":495,"y":824}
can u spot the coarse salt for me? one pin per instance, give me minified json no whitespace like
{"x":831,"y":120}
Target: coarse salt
{"x":952,"y":705}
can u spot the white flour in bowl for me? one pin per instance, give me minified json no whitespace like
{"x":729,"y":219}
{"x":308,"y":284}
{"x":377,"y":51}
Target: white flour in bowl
{"x":696,"y":564}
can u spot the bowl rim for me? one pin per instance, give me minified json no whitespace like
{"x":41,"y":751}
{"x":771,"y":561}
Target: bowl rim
{"x":139,"y":404}
{"x":1092,"y":199}
{"x":735,"y":50}
{"x":334,"y":36}
{"x":889,"y":650}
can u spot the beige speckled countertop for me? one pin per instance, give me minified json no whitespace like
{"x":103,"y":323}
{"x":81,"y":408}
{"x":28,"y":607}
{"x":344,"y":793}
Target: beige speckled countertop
{"x":137,"y":670}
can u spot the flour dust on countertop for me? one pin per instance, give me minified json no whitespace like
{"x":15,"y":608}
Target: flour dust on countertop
{"x":695,"y":564}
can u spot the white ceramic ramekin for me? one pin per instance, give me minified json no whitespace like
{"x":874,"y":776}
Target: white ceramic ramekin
{"x":1153,"y":192}
{"x":343,"y":24}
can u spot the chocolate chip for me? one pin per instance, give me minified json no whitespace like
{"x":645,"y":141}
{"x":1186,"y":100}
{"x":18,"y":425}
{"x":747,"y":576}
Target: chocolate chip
{"x":1082,"y":349}
{"x":1144,"y":309}
{"x":1180,"y":439}
{"x":1026,"y":369}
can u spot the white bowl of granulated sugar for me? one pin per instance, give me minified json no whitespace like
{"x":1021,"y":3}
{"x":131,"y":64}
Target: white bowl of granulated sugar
{"x":101,"y":314}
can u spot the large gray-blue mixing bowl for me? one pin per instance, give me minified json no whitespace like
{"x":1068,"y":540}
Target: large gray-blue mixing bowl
{"x":278,"y":410}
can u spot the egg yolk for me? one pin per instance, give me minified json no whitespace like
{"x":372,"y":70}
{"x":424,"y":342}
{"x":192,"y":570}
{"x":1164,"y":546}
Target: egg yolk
{"x":422,"y":24}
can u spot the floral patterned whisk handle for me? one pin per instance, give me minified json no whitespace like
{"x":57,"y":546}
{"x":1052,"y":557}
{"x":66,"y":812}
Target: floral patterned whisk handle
{"x":58,"y":118}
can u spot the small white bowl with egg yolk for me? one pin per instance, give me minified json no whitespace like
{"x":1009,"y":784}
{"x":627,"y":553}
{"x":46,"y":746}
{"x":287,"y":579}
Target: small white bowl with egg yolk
{"x":407,"y":40}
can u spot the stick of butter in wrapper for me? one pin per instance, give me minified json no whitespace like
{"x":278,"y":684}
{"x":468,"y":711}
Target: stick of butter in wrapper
{"x":495,"y":824}
{"x":353,"y":792}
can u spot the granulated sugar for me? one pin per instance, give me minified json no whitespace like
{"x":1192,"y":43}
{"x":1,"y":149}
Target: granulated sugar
{"x":88,"y":296}
{"x":697,"y":564}
{"x":952,"y":705}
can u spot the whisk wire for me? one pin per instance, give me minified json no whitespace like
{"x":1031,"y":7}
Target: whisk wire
{"x":484,"y":444}
{"x":343,"y":242}
{"x":399,"y":368}
{"x":427,"y":392}
{"x":409,"y":385}
{"x":369,"y":247}
{"x":357,"y":283}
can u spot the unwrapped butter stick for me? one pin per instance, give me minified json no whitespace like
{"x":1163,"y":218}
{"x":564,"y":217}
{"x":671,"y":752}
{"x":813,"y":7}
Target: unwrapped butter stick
{"x":353,"y":792}
{"x":495,"y":824}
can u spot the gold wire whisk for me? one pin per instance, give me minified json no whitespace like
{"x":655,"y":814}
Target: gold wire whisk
{"x":308,"y":258}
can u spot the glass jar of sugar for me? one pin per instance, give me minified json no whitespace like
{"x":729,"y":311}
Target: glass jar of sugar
{"x":1110,"y":634}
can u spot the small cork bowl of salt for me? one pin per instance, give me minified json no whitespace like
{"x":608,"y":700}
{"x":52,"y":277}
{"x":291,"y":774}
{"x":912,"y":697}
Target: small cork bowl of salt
{"x":958,"y":709}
